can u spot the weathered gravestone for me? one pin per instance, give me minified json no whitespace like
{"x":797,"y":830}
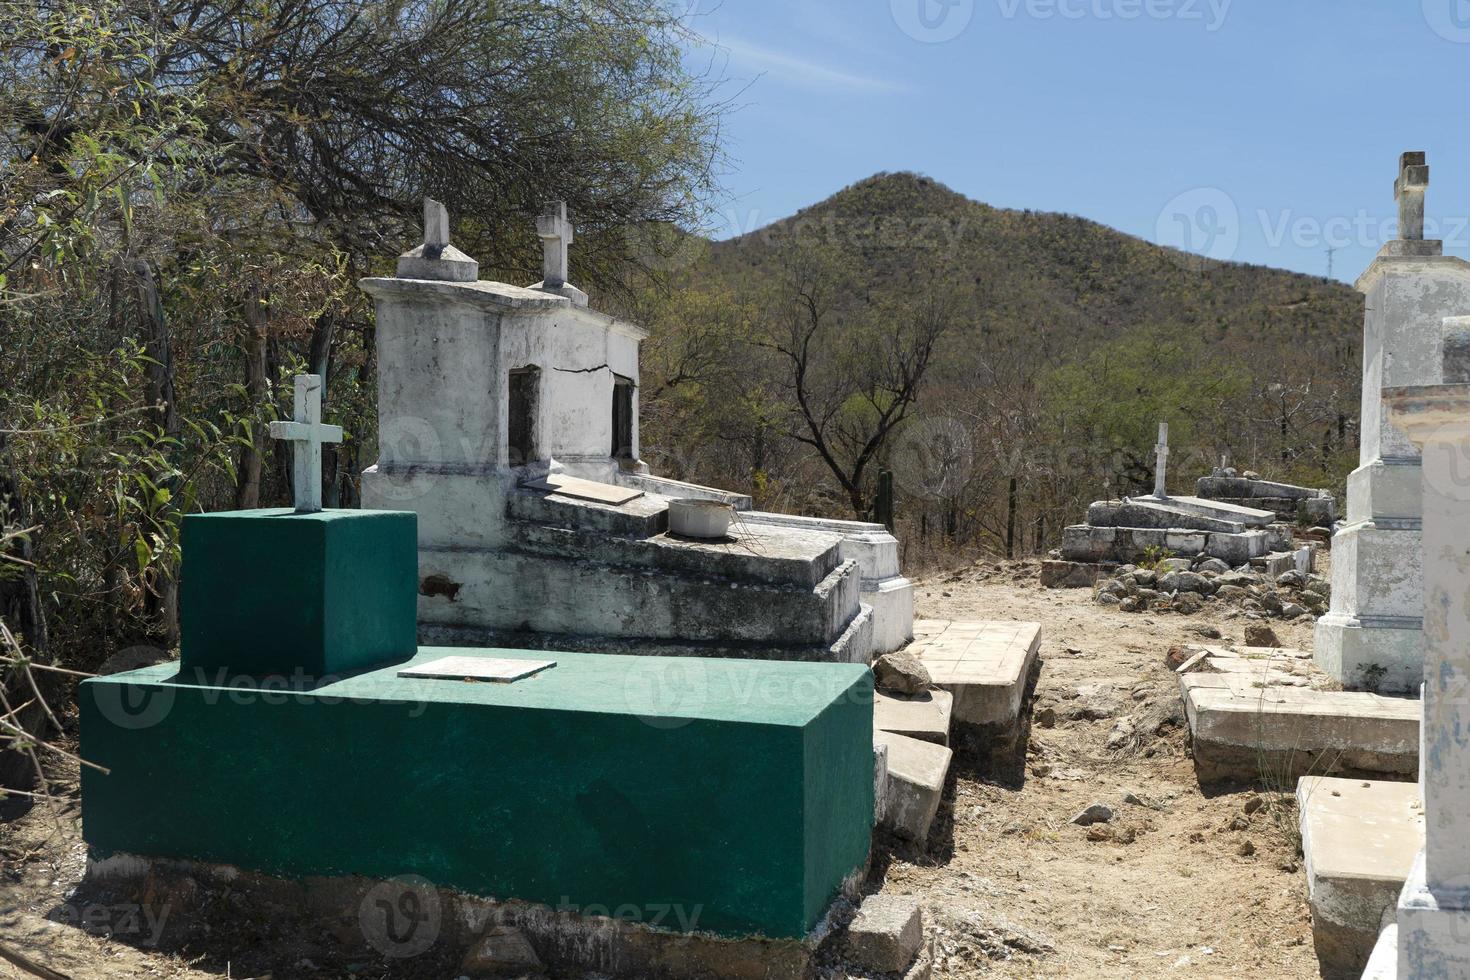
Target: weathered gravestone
{"x":1372,"y":636}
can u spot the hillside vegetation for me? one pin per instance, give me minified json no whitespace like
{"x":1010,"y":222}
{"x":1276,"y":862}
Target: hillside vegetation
{"x":1061,"y":344}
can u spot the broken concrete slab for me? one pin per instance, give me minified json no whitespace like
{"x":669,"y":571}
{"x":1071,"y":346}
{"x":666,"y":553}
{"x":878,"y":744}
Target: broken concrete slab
{"x":925,"y":717}
{"x":985,"y":665}
{"x":916,"y":774}
{"x":1282,"y":499}
{"x":886,"y":934}
{"x":1160,"y":515}
{"x":1262,"y":720}
{"x":1359,"y":839}
{"x":1225,"y":511}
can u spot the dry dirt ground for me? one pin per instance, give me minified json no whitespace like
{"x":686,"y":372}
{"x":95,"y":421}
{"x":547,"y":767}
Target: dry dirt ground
{"x":1180,"y":883}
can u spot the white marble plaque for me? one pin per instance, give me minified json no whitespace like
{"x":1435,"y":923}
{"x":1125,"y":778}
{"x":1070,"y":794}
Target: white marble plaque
{"x":496,"y":669}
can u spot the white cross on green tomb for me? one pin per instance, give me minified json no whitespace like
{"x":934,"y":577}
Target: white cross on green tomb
{"x":308,"y":433}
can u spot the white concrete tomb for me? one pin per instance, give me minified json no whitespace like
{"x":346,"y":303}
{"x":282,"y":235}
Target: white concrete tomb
{"x":487,"y":389}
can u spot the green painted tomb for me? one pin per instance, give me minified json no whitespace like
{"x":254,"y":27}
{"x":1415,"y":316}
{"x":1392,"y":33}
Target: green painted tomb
{"x":737,"y":791}
{"x":277,"y":592}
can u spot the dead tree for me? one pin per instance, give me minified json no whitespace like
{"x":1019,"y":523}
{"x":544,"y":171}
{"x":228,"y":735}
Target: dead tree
{"x":852,"y":383}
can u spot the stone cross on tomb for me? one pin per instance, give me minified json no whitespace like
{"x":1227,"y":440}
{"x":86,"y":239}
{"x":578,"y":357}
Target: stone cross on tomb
{"x":1408,"y":190}
{"x":436,"y":226}
{"x":436,"y":259}
{"x":308,"y":433}
{"x":556,"y":234}
{"x":1161,"y":464}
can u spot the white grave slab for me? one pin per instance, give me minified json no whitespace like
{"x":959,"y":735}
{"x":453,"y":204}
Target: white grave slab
{"x":497,"y":669}
{"x":571,"y":486}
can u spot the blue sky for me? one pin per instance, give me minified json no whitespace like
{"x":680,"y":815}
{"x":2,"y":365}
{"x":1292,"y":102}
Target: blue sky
{"x":1263,"y":131}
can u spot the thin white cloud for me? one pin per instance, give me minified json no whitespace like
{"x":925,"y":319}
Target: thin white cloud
{"x":804,"y":71}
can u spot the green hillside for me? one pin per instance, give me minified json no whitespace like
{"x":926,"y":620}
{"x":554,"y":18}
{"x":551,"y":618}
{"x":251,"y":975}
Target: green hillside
{"x":1067,"y":342}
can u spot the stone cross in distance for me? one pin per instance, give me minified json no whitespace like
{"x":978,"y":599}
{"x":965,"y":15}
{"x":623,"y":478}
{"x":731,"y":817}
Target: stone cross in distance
{"x":1409,"y":190}
{"x":556,"y":234}
{"x":1161,"y":465}
{"x":308,"y":433}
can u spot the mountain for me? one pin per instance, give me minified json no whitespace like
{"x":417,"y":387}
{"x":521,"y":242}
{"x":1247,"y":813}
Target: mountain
{"x":1063,"y":281}
{"x":1068,"y":343}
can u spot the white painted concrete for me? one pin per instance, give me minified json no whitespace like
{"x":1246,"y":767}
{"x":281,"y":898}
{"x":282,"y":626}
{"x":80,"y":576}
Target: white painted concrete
{"x":1434,"y":908}
{"x":1409,"y":289}
{"x":497,"y":558}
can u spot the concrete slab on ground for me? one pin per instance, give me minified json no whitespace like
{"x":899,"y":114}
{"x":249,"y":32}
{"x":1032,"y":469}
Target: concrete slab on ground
{"x":1263,"y":718}
{"x":1359,"y":839}
{"x":916,"y":774}
{"x":985,"y":665}
{"x":923,"y":716}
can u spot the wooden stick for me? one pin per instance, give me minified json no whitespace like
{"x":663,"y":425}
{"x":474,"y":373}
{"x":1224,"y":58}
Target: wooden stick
{"x":30,"y":966}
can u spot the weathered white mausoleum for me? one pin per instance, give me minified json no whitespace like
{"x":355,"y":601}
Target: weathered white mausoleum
{"x":508,"y":421}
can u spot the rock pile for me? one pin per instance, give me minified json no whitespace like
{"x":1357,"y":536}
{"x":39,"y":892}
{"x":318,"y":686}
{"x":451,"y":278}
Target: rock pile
{"x":1188,"y":587}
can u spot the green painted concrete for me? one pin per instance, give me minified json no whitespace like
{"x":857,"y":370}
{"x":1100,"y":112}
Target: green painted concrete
{"x":739,"y":791}
{"x":274,"y":592}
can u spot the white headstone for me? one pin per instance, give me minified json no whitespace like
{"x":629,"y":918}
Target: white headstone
{"x":1161,"y":462}
{"x":1434,"y":907}
{"x":308,"y":434}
